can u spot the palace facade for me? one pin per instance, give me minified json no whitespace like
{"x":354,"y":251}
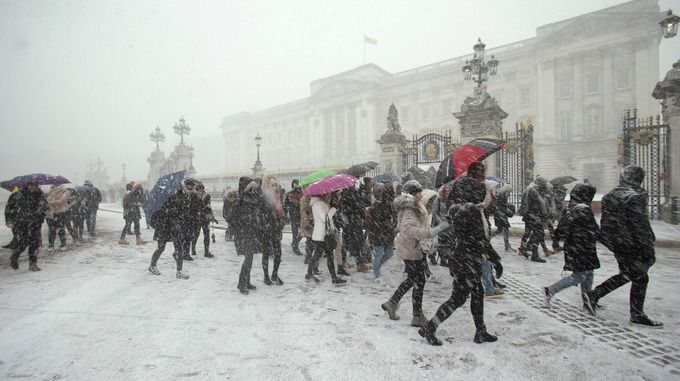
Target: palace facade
{"x":574,"y":79}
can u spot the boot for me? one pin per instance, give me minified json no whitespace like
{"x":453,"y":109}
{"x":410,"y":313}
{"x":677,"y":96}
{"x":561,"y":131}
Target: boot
{"x":418,"y":320}
{"x":187,"y":257}
{"x":296,"y":250}
{"x":243,"y":291}
{"x":547,"y":297}
{"x":337,"y":280}
{"x":589,"y":302}
{"x":481,"y":336}
{"x":33,"y":264}
{"x":312,"y":277}
{"x":208,"y":255}
{"x":276,"y":280}
{"x":498,"y":284}
{"x":14,"y":261}
{"x":140,"y":241}
{"x":362,"y":268}
{"x":121,"y":241}
{"x":342,"y":271}
{"x":316,"y":270}
{"x":154,"y":270}
{"x":181,"y":275}
{"x":536,"y":258}
{"x":347,"y":265}
{"x":523,"y":252}
{"x":548,"y":252}
{"x":433,"y":259}
{"x":645,"y":321}
{"x":267,"y":281}
{"x":510,"y":249}
{"x":444,"y":262}
{"x":51,"y":248}
{"x":428,"y":333}
{"x":391,"y":308}
{"x":251,"y":286}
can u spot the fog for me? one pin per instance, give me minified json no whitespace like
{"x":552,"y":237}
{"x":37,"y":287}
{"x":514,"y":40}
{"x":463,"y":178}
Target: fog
{"x":88,"y":79}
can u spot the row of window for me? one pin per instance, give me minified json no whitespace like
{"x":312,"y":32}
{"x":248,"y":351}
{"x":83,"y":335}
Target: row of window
{"x":592,"y":82}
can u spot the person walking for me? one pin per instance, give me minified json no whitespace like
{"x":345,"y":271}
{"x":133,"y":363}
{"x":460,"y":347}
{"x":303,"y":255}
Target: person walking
{"x":626,"y":231}
{"x":465,"y":267}
{"x":132,"y":201}
{"x":352,"y":209}
{"x":292,"y":207}
{"x":57,"y":217}
{"x":246,"y":220}
{"x":307,"y":227}
{"x":323,"y":238}
{"x":27,"y":218}
{"x":412,"y":224}
{"x":168,"y":227}
{"x":193,"y":222}
{"x":381,"y":223}
{"x":205,"y":217}
{"x":92,"y":199}
{"x":272,"y":228}
{"x":10,"y":215}
{"x":534,"y":212}
{"x":580,"y":232}
{"x":501,"y":215}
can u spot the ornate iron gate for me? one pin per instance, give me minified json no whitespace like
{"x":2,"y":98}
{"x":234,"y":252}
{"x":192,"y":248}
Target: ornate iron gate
{"x":645,"y":143}
{"x":429,"y":148}
{"x":515,"y":162}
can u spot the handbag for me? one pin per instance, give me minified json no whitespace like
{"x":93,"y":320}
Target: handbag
{"x":329,"y":235}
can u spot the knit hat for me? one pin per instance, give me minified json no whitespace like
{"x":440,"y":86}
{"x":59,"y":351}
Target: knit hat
{"x":412,"y":187}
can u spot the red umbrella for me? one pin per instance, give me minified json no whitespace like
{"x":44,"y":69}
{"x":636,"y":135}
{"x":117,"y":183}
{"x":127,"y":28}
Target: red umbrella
{"x":330,"y":184}
{"x":459,"y":160}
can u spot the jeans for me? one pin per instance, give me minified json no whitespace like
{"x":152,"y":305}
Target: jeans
{"x":487,"y":277}
{"x":584,"y":278}
{"x":381,"y":254}
{"x":91,"y":220}
{"x":128,"y":224}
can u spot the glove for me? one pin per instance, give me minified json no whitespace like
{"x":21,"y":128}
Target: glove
{"x":499,"y":269}
{"x":439,"y":228}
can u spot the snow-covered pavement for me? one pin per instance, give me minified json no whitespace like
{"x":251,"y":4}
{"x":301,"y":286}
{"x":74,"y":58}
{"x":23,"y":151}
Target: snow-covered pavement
{"x":95,"y":313}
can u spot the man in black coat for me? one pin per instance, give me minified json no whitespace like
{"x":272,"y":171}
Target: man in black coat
{"x":193,"y":221}
{"x":292,"y":205}
{"x":92,"y":199}
{"x":169,"y":227}
{"x":132,"y":201}
{"x":29,"y":214}
{"x":10,"y":216}
{"x":626,"y":231}
{"x":205,"y":217}
{"x":534,"y":211}
{"x":247,"y":222}
{"x":352,"y":209}
{"x":580,"y":232}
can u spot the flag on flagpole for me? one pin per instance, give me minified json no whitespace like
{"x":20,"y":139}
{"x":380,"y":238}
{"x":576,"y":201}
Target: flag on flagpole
{"x":369,"y":40}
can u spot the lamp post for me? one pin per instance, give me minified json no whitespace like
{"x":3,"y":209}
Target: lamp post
{"x":257,"y":168}
{"x":157,"y":137}
{"x":478,"y":70}
{"x":181,"y":129}
{"x":669,"y":25}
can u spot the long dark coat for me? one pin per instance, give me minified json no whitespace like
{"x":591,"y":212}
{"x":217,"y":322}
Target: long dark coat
{"x":169,"y":221}
{"x":381,"y":223}
{"x":580,"y":231}
{"x":471,"y":245}
{"x":131,"y":204}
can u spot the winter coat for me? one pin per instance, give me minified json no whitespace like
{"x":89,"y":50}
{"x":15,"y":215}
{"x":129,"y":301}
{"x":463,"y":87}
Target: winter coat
{"x":503,"y":210}
{"x":247,"y":218}
{"x":352,"y":208}
{"x":195,"y":207}
{"x":624,"y":225}
{"x":471,"y":247}
{"x":169,"y":222}
{"x":28,"y":209}
{"x":381,"y":223}
{"x":77,"y":209}
{"x":466,"y":189}
{"x":306,"y":217}
{"x":292,"y":204}
{"x":229,"y":207}
{"x":11,"y":208}
{"x":580,"y":231}
{"x":92,"y":198}
{"x":57,"y":200}
{"x":534,"y":209}
{"x":273,"y":216}
{"x":205,"y":214}
{"x":321,"y":210}
{"x":364,"y":196}
{"x":412,"y":226}
{"x":131,"y":204}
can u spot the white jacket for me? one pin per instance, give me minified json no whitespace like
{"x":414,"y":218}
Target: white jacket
{"x":320,"y":210}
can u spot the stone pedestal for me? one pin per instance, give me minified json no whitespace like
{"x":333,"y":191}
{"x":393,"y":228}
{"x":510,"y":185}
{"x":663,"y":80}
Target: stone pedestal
{"x":392,"y":145}
{"x":668,"y":91}
{"x":156,"y":161}
{"x":480,"y":116}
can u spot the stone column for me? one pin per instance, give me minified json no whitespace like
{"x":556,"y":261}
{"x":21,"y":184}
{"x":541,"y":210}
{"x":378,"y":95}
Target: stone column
{"x":392,"y":145}
{"x":668,"y":91}
{"x":156,"y":160}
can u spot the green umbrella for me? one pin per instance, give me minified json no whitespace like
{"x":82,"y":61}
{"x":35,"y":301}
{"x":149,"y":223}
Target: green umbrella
{"x":315,"y":176}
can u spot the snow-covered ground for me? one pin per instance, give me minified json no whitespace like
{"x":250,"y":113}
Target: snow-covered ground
{"x":95,"y":313}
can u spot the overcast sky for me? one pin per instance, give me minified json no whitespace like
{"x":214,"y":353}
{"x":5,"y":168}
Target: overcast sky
{"x":87,"y":79}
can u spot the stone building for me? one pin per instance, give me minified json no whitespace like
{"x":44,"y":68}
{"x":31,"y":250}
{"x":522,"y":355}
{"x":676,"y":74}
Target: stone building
{"x":574,"y":79}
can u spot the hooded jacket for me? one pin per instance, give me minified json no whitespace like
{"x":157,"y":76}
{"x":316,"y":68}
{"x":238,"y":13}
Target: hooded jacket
{"x":381,"y":221}
{"x":412,"y":226}
{"x":168,"y":220}
{"x":625,"y":227}
{"x":471,"y":247}
{"x":247,"y":219}
{"x":534,"y":209}
{"x":579,"y":230}
{"x":57,"y":199}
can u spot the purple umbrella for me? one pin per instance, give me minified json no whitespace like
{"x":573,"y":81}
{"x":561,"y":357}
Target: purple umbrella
{"x":38,"y":178}
{"x":330,"y":184}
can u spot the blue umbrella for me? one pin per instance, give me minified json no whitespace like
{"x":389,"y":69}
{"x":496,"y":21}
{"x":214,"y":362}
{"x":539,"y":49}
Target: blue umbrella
{"x":38,"y":178}
{"x":385,"y":177}
{"x":160,"y":193}
{"x":84,"y":189}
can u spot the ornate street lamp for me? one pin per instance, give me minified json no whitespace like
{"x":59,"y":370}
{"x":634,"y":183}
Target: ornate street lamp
{"x":478,"y":70}
{"x":182,"y":128}
{"x":157,"y":137}
{"x":257,"y":168}
{"x":669,"y":25}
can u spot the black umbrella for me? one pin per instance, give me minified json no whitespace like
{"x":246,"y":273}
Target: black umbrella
{"x":385,"y":177}
{"x":358,"y":170}
{"x":562,"y":180}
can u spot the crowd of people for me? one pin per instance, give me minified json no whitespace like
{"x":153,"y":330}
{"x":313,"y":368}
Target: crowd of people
{"x":371,"y":223}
